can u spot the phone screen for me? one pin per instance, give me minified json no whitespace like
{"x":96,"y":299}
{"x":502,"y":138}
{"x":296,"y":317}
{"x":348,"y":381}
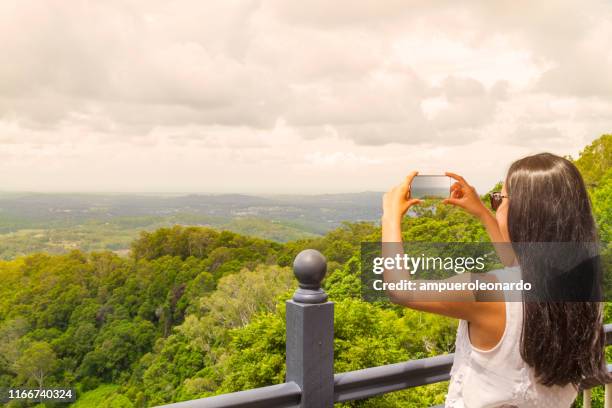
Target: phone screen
{"x":429,"y":186}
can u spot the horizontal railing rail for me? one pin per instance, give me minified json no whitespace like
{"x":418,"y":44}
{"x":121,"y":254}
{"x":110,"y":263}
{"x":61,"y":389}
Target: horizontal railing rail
{"x":310,"y":379}
{"x":373,"y":381}
{"x":286,"y":395}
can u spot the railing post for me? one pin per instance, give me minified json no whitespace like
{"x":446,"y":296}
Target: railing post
{"x":586,"y":398}
{"x":310,"y":333}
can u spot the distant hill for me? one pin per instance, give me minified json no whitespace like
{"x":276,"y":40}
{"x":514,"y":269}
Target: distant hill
{"x":56,"y":223}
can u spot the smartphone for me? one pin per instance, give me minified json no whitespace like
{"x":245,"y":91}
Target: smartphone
{"x":430,"y":186}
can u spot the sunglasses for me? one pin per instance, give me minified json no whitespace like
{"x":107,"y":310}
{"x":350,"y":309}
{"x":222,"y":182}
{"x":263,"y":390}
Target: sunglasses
{"x":496,"y":199}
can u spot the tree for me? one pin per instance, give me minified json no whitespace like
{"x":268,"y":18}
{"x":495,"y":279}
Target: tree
{"x":119,"y":345}
{"x":36,"y":362}
{"x":595,"y":160}
{"x":602,"y":206}
{"x":11,"y":332}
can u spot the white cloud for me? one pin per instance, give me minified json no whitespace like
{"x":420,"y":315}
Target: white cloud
{"x":252,"y":95}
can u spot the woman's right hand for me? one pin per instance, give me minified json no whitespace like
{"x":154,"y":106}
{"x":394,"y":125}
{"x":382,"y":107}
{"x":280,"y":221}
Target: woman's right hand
{"x":465,"y":196}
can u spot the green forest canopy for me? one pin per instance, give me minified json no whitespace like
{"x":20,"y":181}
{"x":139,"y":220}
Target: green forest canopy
{"x":195,"y":312}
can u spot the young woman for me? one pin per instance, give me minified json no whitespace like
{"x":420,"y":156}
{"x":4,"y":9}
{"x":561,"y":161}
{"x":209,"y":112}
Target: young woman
{"x":515,"y":353}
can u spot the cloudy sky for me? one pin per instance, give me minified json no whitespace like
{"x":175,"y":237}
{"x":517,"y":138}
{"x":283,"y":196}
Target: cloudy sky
{"x":293,"y":96}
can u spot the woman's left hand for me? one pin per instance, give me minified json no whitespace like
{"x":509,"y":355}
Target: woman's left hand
{"x":397,"y":201}
{"x":465,"y":196}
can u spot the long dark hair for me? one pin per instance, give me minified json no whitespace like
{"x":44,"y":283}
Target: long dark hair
{"x":548,"y":203}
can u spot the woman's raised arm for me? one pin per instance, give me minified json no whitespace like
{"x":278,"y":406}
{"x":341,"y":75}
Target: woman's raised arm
{"x":459,"y":304}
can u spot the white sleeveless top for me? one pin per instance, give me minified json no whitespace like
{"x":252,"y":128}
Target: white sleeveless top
{"x":499,"y":377}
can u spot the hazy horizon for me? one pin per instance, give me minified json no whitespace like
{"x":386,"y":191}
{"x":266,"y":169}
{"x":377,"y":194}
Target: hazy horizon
{"x":203,"y":193}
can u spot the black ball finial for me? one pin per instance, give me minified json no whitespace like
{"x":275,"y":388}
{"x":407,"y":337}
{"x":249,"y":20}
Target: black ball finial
{"x":309,"y":267}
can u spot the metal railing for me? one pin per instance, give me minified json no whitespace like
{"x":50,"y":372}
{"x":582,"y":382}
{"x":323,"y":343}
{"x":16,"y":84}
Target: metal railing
{"x":311,"y":382}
